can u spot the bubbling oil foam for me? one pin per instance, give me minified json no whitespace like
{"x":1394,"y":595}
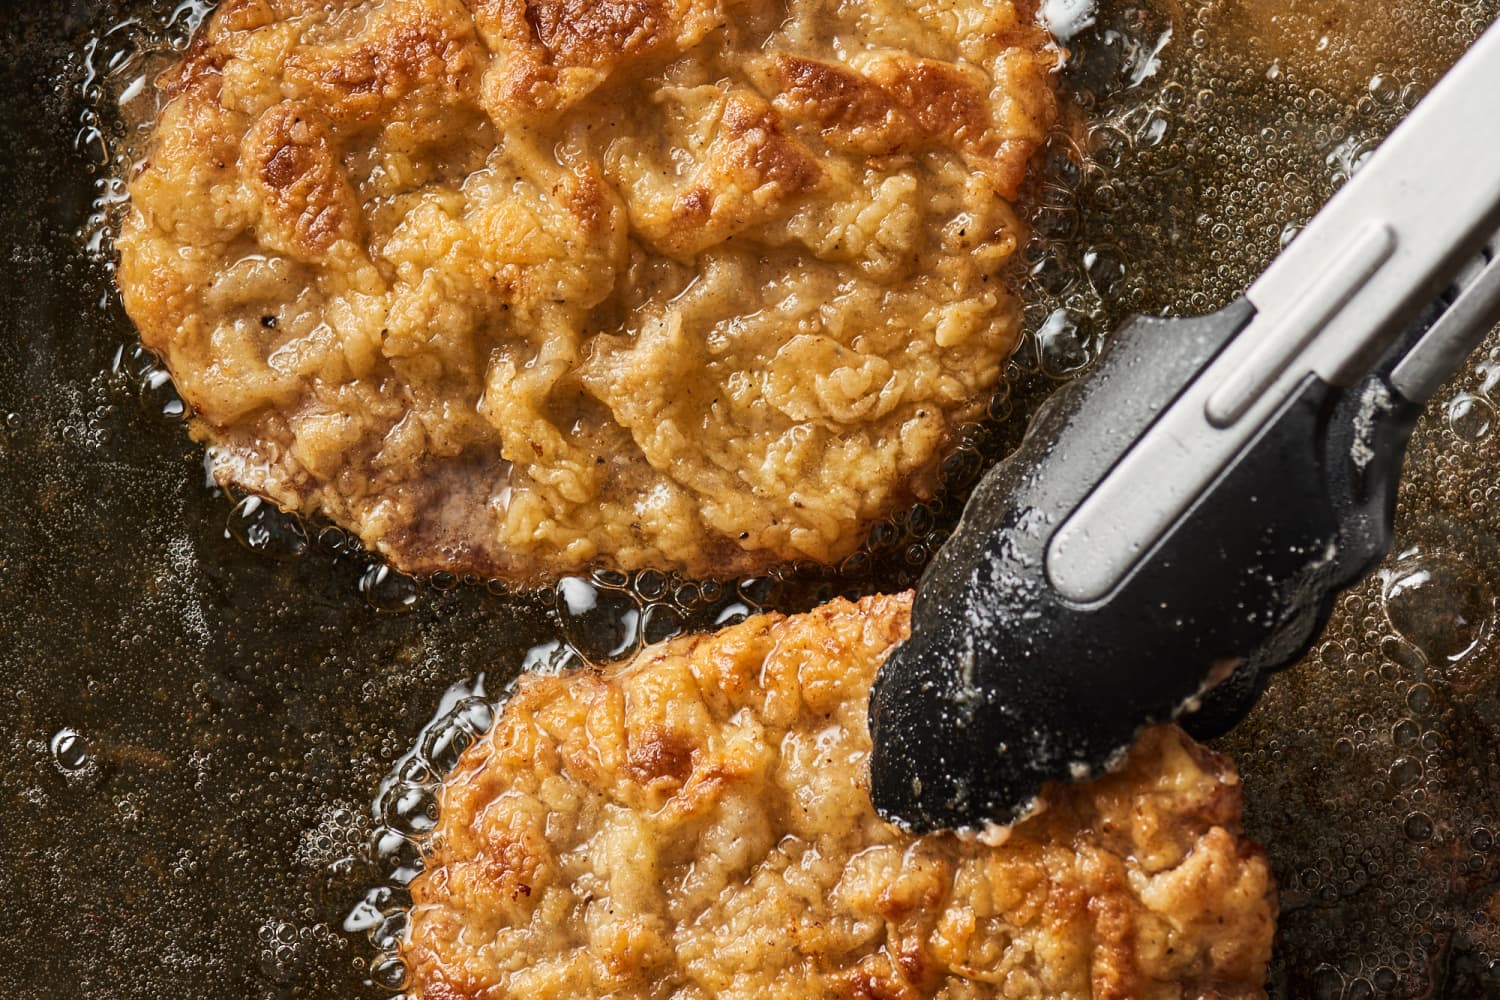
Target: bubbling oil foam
{"x":1400,"y":759}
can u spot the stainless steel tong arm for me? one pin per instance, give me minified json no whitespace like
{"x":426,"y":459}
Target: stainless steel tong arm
{"x":1386,"y":246}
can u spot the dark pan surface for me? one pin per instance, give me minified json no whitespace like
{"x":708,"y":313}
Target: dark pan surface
{"x":195,"y":733}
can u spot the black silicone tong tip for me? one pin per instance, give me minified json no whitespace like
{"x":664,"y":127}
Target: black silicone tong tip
{"x":1190,"y":510}
{"x":1004,"y":685}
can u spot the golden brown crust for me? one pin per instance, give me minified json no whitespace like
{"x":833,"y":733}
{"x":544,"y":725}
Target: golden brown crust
{"x":517,"y":287}
{"x":898,"y":103}
{"x":415,"y":44}
{"x":752,"y":172}
{"x":694,"y":825}
{"x":851,"y":109}
{"x":289,"y":162}
{"x":553,"y":53}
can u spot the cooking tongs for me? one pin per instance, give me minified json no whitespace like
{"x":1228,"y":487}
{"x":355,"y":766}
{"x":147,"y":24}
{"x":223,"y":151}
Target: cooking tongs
{"x":1176,"y":525}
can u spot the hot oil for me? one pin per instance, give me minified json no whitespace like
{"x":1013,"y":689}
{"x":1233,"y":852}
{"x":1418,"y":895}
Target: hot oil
{"x":1373,"y":768}
{"x":1370,"y":769}
{"x":208,"y":693}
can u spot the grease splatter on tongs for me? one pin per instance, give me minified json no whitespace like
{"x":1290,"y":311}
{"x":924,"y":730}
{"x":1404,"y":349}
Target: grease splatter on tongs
{"x":1176,"y":525}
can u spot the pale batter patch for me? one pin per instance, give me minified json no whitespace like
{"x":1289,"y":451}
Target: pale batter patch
{"x":695,"y":825}
{"x":515,"y":287}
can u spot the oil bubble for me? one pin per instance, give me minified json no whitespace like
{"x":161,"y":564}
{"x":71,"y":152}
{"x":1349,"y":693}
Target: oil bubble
{"x":763,"y":592}
{"x":402,"y":853}
{"x":651,"y":585}
{"x":69,"y":751}
{"x":1406,"y":772}
{"x":444,"y":742}
{"x":961,"y":469}
{"x":1105,"y":269}
{"x":550,"y":658}
{"x":333,"y":842}
{"x":660,"y":623}
{"x":1403,"y":654}
{"x":1439,"y":604}
{"x":260,"y":526}
{"x":1050,"y":276}
{"x":1417,"y":827}
{"x":388,"y":591}
{"x":1063,"y":344}
{"x":160,"y":397}
{"x":389,"y":973}
{"x":1470,"y":417}
{"x":1384,"y":88}
{"x":337,"y":542}
{"x":687,"y":596}
{"x":732,"y":613}
{"x":602,"y":624}
{"x":1327,"y":983}
{"x":857,"y":566}
{"x":370,"y":911}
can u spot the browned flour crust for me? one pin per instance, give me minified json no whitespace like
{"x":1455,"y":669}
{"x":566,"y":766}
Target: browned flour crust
{"x":694,"y":825}
{"x":520,"y":286}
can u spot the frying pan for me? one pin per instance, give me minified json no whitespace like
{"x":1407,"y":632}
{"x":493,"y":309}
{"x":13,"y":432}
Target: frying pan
{"x":202,"y":741}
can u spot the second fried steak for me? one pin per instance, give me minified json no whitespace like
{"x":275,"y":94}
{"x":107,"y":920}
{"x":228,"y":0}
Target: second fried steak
{"x":516,"y":286}
{"x":694,"y":825}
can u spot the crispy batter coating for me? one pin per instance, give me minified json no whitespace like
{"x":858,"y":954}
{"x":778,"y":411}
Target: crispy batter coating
{"x":520,"y":286}
{"x":695,"y":825}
